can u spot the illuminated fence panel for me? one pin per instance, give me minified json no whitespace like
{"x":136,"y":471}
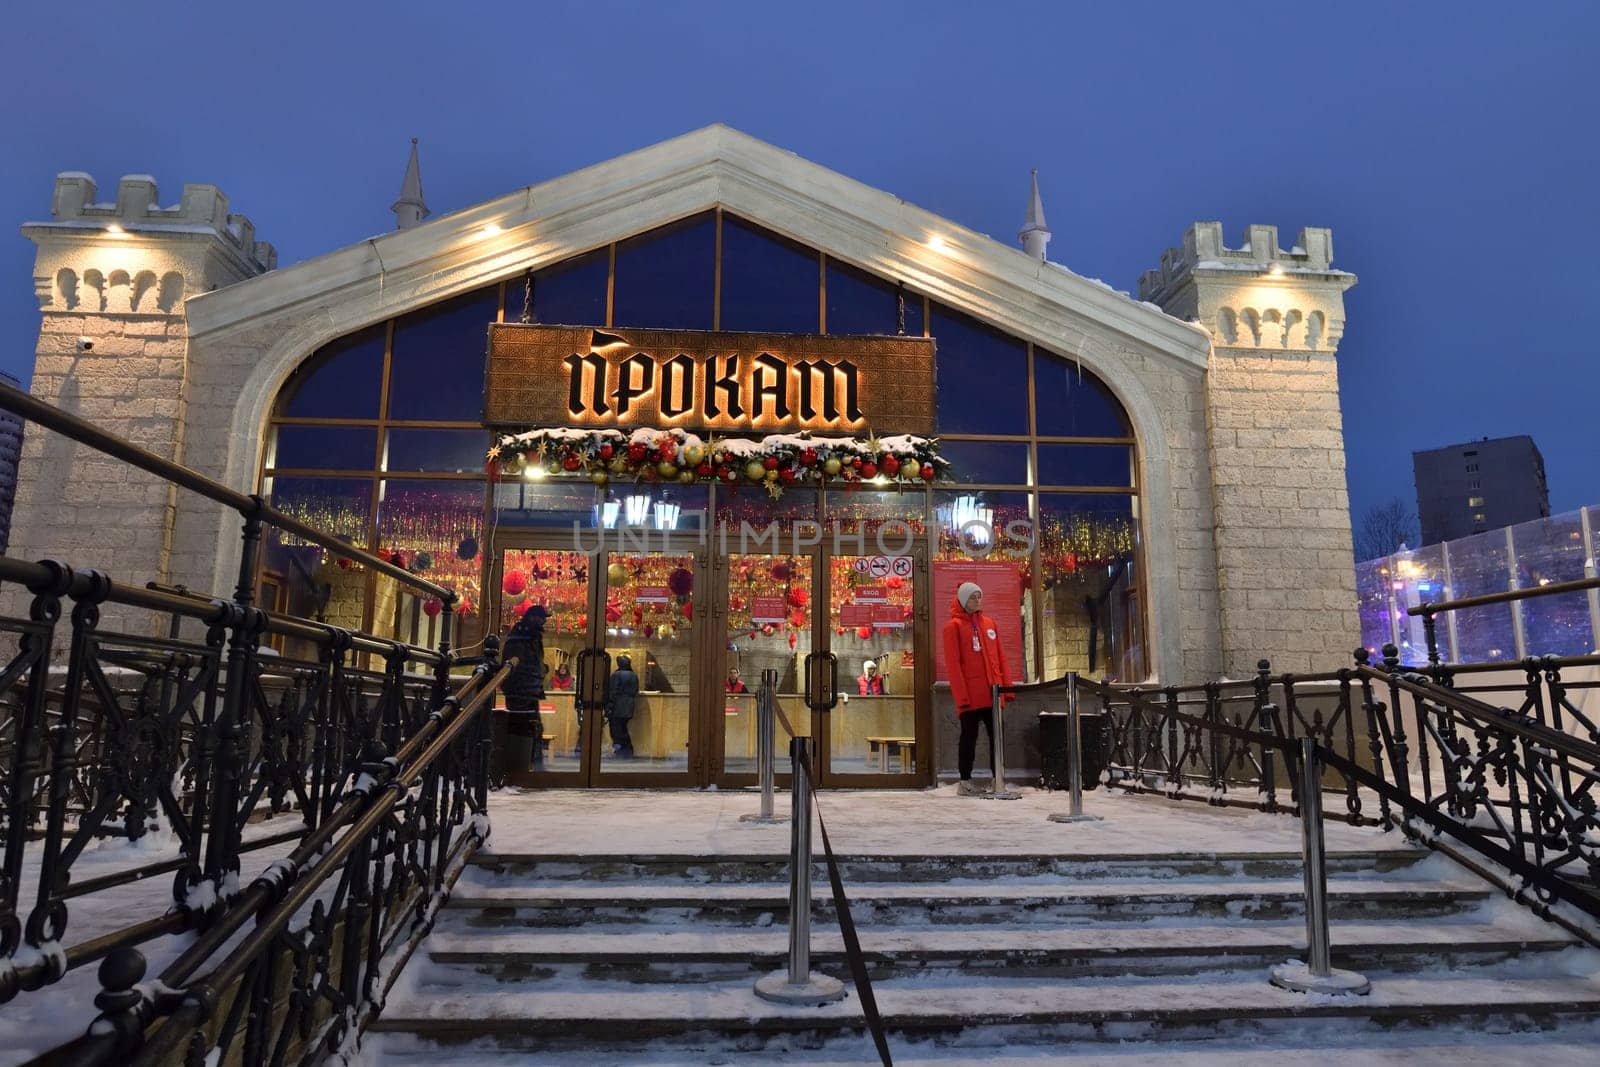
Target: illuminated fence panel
{"x":1561,"y":548}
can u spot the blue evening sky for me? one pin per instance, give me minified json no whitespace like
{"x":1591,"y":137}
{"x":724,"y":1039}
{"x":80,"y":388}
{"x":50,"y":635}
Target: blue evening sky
{"x":1451,"y":146}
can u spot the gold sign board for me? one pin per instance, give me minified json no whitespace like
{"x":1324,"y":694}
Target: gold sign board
{"x":751,"y":382}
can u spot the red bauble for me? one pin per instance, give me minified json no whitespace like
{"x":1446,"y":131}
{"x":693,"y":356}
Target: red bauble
{"x":869,"y":469}
{"x":793,"y":641}
{"x":729,"y":475}
{"x":607,"y":451}
{"x":787,"y":476}
{"x":688,"y":610}
{"x":808,"y":457}
{"x":571,"y":463}
{"x":681,"y":582}
{"x":432,"y":606}
{"x":798,"y":597}
{"x":345,"y":564}
{"x":855,"y":461}
{"x":768,"y":629}
{"x":928,"y":472}
{"x":636,"y":452}
{"x":705,"y":470}
{"x":797,"y":619}
{"x":864,"y":632}
{"x":515,"y":583}
{"x":780,"y":571}
{"x":770,"y":463}
{"x":890,"y":464}
{"x":839,"y":631}
{"x":894,"y":581}
{"x":465,"y":607}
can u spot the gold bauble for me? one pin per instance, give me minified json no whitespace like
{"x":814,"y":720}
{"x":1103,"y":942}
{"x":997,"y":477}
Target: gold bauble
{"x":686,"y":477}
{"x":598,"y":477}
{"x":693,"y":455}
{"x":772,"y":476}
{"x":755,"y":471}
{"x":831,"y":466}
{"x":513,"y":464}
{"x":618,"y":465}
{"x":667,"y":469}
{"x":617,"y":574}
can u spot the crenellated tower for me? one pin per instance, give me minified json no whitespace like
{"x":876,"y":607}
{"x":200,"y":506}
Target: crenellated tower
{"x":1281,"y":507}
{"x":111,"y":279}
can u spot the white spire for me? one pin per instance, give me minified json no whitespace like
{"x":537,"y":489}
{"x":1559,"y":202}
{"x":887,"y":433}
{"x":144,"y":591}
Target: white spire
{"x":410,"y":209}
{"x":1034,"y":234}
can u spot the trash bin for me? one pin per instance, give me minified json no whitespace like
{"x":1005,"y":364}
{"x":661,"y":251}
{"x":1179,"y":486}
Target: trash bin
{"x":1054,"y":753}
{"x":522,"y":733}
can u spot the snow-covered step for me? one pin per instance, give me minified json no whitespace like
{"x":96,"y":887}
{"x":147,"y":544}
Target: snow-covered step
{"x":858,"y":869}
{"x":721,"y":1016}
{"x":676,"y":955}
{"x":505,"y":902}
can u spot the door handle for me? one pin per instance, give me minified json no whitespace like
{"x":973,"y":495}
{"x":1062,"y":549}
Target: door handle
{"x":816,"y":698}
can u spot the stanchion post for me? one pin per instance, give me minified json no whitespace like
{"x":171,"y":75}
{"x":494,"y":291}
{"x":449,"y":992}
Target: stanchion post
{"x":766,"y":698}
{"x":1317,"y":974}
{"x":796,"y":984}
{"x":1074,"y":759}
{"x":998,"y":748}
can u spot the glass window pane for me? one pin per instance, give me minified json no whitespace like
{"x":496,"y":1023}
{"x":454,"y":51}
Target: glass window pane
{"x":1372,"y":604}
{"x":571,"y":293}
{"x":985,"y":537}
{"x":1413,"y":578}
{"x":866,"y":510}
{"x":862,"y":303}
{"x":315,"y":584}
{"x":548,"y":503}
{"x":449,"y":451}
{"x":997,"y":463}
{"x":768,"y":283}
{"x":436,"y":367}
{"x":752,"y":504}
{"x":436,"y":528}
{"x":1478,"y":566}
{"x":1071,"y":402}
{"x":665,"y":277}
{"x":343,"y":448}
{"x":342,"y":380}
{"x":982,"y":376}
{"x":1088,"y":560}
{"x":1548,"y":551}
{"x":1109,"y":465}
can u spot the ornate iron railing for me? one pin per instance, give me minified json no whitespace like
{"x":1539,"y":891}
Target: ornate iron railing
{"x":1506,"y":792}
{"x":1222,"y":742}
{"x":302,"y":958}
{"x":215,"y":749}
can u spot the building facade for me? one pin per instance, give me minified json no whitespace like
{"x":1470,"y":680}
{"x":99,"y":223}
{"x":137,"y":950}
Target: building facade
{"x":1148,"y":488}
{"x":1477,"y":486}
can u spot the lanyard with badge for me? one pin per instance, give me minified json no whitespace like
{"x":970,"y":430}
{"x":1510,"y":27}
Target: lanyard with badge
{"x":975,"y":646}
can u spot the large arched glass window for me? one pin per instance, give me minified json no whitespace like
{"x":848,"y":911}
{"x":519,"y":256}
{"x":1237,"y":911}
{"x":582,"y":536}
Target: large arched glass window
{"x":377,"y":436}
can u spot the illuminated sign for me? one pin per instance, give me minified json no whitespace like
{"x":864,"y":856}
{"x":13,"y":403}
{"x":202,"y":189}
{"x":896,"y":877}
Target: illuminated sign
{"x":583,"y":376}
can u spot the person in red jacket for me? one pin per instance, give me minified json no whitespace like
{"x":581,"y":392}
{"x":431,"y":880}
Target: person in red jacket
{"x":975,"y":660}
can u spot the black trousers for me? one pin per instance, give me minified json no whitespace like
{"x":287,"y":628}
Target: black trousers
{"x":619,"y":735}
{"x":969,"y":738}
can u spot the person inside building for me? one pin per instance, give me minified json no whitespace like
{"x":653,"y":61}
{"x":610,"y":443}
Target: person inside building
{"x":871,"y":682}
{"x":976,"y":661}
{"x":524,"y":688}
{"x":735,"y":683}
{"x":561,"y":677}
{"x":655,"y":679}
{"x":621,"y":693}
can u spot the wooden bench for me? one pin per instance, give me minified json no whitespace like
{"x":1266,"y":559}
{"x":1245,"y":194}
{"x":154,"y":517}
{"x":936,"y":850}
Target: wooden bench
{"x":878,"y":753}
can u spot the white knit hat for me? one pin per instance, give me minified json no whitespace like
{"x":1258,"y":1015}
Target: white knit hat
{"x":964,"y":594}
{"x":868,"y":666}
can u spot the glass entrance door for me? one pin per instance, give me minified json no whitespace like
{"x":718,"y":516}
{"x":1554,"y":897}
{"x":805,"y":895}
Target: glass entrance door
{"x":876,"y":625}
{"x":538,"y":740}
{"x":766,"y":617}
{"x":642,"y":676}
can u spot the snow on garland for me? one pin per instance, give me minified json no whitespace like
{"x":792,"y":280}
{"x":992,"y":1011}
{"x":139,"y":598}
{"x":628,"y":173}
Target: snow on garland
{"x":776,"y":461}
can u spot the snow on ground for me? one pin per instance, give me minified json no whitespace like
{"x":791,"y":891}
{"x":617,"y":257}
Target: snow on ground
{"x":893,"y":823}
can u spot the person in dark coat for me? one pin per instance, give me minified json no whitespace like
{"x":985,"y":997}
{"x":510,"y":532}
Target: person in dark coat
{"x":524,"y":687}
{"x":622,"y":692}
{"x":655,"y":679}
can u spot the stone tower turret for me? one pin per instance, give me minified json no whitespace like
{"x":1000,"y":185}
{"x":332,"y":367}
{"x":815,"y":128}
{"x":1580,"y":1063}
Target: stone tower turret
{"x":1281,"y":506}
{"x":111,"y":279}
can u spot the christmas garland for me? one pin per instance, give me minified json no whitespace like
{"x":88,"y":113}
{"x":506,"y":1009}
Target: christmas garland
{"x":776,"y":461}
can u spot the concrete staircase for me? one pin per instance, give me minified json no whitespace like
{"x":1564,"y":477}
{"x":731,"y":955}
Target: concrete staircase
{"x":651,"y":959}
